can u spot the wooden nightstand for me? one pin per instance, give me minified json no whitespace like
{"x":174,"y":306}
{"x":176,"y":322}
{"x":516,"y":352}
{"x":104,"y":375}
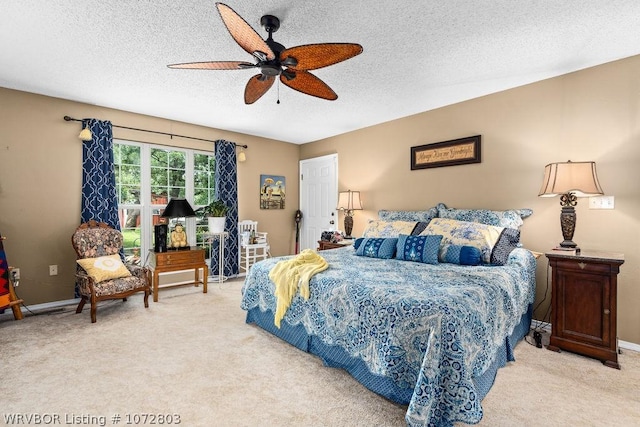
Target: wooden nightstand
{"x":164,"y":262}
{"x":584,"y":303}
{"x":323,"y":245}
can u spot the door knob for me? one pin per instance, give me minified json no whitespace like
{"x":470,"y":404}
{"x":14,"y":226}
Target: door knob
{"x":332,"y":222}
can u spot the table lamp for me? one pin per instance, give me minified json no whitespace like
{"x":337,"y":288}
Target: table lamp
{"x":570,"y":180}
{"x":178,"y":208}
{"x":349,"y":201}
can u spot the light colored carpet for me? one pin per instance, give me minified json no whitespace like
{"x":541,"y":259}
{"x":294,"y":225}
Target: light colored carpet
{"x":192,"y":355}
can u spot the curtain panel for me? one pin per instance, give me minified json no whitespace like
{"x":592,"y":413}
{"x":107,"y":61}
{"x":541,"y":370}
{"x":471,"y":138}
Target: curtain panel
{"x":226,"y":186}
{"x":99,"y":199}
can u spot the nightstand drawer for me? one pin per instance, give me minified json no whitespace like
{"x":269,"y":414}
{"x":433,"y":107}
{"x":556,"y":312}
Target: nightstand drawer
{"x":582,"y":266}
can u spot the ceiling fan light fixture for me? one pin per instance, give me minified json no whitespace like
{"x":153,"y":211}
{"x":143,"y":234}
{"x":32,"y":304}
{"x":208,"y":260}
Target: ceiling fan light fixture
{"x":273,"y":59}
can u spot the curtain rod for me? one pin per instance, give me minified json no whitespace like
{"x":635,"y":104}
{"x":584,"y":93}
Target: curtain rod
{"x":69,"y":119}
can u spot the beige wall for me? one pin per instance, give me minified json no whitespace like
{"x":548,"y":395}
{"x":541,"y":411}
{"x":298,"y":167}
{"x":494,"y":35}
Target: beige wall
{"x":41,"y":176}
{"x":593,"y":114}
{"x":589,"y":115}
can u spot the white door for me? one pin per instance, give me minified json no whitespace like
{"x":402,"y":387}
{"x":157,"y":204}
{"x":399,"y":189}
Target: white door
{"x":318,"y":198}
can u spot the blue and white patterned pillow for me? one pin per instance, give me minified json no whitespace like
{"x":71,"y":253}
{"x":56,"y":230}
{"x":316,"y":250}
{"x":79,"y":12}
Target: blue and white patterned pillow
{"x":495,"y":243}
{"x":418,"y":216}
{"x":423,"y":249}
{"x":376,"y":247}
{"x":509,"y":218}
{"x":382,"y":228}
{"x":463,"y":255}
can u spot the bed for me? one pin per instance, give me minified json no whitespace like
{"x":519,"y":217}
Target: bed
{"x":425,"y":333}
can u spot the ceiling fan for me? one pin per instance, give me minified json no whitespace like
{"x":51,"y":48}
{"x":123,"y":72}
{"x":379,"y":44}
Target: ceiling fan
{"x":273,"y":59}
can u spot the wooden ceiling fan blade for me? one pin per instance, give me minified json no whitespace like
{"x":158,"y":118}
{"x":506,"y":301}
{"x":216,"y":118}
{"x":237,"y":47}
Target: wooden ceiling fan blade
{"x":214,"y":65}
{"x":243,"y":33}
{"x":314,"y":56}
{"x":305,"y":82}
{"x":257,"y":86}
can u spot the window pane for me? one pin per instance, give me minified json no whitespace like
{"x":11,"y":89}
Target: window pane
{"x":177,"y":160}
{"x":131,"y":233}
{"x":158,"y":157}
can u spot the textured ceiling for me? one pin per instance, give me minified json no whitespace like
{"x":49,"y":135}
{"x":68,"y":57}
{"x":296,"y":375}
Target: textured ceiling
{"x":418,"y":55}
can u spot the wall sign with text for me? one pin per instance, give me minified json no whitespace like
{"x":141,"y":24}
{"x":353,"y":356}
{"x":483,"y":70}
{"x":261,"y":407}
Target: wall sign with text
{"x":448,"y":153}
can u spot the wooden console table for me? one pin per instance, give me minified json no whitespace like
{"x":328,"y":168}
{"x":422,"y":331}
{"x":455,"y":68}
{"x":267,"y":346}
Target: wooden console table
{"x":176,"y":260}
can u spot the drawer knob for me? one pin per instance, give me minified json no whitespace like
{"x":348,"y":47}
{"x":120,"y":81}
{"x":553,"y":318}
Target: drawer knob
{"x":607,"y":311}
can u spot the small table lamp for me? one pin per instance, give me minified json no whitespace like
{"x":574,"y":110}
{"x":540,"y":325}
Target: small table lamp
{"x":178,"y":208}
{"x":571,"y":180}
{"x":349,"y":201}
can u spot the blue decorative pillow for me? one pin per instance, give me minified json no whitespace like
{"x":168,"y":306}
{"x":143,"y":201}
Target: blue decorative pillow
{"x":377,"y":247}
{"x":357,"y":243}
{"x":463,"y":255}
{"x":418,"y":248}
{"x":508,"y":241}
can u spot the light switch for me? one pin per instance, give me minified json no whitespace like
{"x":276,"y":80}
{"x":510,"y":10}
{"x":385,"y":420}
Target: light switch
{"x":601,"y":202}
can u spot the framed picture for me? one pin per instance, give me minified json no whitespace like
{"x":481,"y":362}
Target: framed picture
{"x":447,"y":153}
{"x":272,"y":192}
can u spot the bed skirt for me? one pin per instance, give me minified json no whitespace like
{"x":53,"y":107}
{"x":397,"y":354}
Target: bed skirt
{"x":336,"y":357}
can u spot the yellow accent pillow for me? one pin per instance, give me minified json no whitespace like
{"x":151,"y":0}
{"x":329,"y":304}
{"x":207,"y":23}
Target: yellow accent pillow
{"x":104,"y":267}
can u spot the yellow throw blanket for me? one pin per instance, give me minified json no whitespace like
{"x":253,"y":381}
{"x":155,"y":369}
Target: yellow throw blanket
{"x":289,"y":275}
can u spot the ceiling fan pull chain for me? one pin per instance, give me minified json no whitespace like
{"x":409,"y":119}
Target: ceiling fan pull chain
{"x":278,"y":101}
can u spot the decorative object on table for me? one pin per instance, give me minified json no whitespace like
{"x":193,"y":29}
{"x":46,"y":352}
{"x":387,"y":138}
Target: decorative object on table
{"x":272,"y":191}
{"x":460,"y":151}
{"x":216,"y":214}
{"x":160,"y":232}
{"x":178,"y":208}
{"x":349,"y":201}
{"x":298,"y":219}
{"x":570,"y":180}
{"x":272,"y":59}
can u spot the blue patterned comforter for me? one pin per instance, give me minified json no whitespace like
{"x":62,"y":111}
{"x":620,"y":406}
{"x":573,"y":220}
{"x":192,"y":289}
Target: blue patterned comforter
{"x":431,"y":328}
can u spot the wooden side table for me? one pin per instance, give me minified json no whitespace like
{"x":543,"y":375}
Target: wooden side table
{"x":584,"y":303}
{"x":176,"y":260}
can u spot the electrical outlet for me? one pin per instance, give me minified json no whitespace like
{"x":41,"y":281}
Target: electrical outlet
{"x":53,"y":270}
{"x":15,"y":276}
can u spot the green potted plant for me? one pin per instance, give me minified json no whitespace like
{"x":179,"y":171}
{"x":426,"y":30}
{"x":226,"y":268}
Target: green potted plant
{"x":216,"y":213}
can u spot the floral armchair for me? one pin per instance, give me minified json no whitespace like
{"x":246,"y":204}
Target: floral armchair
{"x":102,"y":274}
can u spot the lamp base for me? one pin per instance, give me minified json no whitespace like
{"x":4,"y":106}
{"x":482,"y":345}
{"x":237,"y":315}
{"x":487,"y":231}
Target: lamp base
{"x":568,"y":225}
{"x":348,"y":225}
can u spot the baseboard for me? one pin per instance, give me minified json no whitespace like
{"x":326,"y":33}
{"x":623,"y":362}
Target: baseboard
{"x":40,"y":308}
{"x":536,"y":324}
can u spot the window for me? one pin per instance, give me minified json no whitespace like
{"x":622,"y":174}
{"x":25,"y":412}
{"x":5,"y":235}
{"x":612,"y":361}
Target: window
{"x":147,"y":177}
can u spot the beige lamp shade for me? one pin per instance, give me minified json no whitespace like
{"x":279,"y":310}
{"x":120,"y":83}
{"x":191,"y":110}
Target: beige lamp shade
{"x":578,"y":178}
{"x":349,"y":200}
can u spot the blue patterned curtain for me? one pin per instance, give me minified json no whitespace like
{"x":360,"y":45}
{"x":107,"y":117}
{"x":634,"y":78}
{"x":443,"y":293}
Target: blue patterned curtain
{"x":99,"y":200}
{"x":227,"y":191}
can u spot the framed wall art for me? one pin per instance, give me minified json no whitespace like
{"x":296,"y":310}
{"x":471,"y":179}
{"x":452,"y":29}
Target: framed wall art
{"x":447,"y":153}
{"x":272,"y":192}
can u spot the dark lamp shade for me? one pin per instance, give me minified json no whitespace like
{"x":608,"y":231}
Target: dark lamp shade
{"x":579,"y":178}
{"x":178,"y":208}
